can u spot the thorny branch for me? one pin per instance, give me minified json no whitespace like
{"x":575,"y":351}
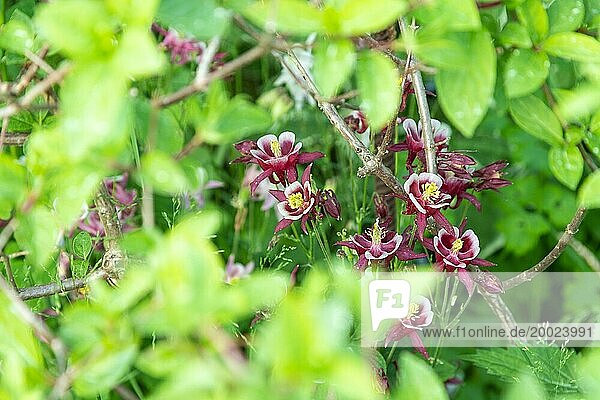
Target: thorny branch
{"x":35,"y":91}
{"x":112,"y":261}
{"x":35,"y":292}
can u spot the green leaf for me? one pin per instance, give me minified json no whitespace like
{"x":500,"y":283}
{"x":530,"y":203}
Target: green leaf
{"x":201,"y":19}
{"x":446,"y":52}
{"x":356,"y":17}
{"x":464,"y":94}
{"x":589,"y":192}
{"x":573,"y":46}
{"x":163,"y":173}
{"x":79,"y":268}
{"x":82,"y":29}
{"x":37,"y":233}
{"x":537,"y":119}
{"x":138,"y":54}
{"x":526,"y":388}
{"x":533,"y":16}
{"x":524,"y":72}
{"x":134,"y":12}
{"x":566,"y":164}
{"x":12,"y":188}
{"x":550,"y":365}
{"x":333,"y":64}
{"x":449,"y":15}
{"x":378,"y":85}
{"x":82,"y":245}
{"x":515,"y":34}
{"x":289,"y":16}
{"x":418,"y":381}
{"x":17,"y":34}
{"x":238,"y":119}
{"x":566,"y":15}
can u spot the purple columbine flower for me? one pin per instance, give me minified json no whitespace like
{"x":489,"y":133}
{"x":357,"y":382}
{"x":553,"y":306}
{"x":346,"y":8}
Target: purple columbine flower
{"x":235,"y":271}
{"x":426,"y":199}
{"x":262,"y":192}
{"x":327,"y":199}
{"x":414,"y":140}
{"x":296,"y":202}
{"x":419,"y":316}
{"x":379,"y":245}
{"x":490,"y":176}
{"x":277,"y":156}
{"x":357,"y":121}
{"x":455,"y":251}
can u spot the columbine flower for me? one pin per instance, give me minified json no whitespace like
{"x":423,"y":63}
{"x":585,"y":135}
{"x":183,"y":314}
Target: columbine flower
{"x":456,"y":251}
{"x":235,"y":271}
{"x":419,"y":316}
{"x":357,"y":121}
{"x":426,"y":199}
{"x":490,"y":177}
{"x":329,"y":202}
{"x":278,"y":157}
{"x":414,"y":140}
{"x":182,"y":50}
{"x":296,"y":202}
{"x":379,"y":245}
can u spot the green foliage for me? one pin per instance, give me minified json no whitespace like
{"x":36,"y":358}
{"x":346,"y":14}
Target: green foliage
{"x":566,"y":163}
{"x":418,"y":381}
{"x":537,"y":119}
{"x":334,"y":61}
{"x":525,"y":71}
{"x":379,"y":87}
{"x":202,"y":19}
{"x":588,"y":194}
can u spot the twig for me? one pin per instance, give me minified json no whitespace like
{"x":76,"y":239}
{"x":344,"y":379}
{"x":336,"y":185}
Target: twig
{"x":7,"y":232}
{"x":13,"y":139}
{"x":207,"y":57}
{"x":584,"y":252}
{"x":3,"y":132}
{"x":125,"y":393}
{"x":371,"y":166}
{"x":9,"y":273}
{"x":37,"y":61}
{"x":35,"y":292}
{"x":202,"y":84}
{"x":112,"y":262}
{"x":560,"y":246}
{"x":491,"y":4}
{"x":425,"y":118}
{"x":35,"y":91}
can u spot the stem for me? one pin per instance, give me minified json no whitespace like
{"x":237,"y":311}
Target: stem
{"x":35,"y":292}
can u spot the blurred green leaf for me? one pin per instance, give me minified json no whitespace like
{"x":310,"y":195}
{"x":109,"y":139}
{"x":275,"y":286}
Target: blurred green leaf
{"x":134,"y":12}
{"x":566,"y":15}
{"x":573,"y":46}
{"x":138,"y":53}
{"x":17,"y":35}
{"x":533,"y":16}
{"x":378,"y":85}
{"x":446,"y":52}
{"x":201,"y":19}
{"x":589,"y":192}
{"x":66,"y":25}
{"x":37,"y":233}
{"x":79,"y":268}
{"x":449,"y":15}
{"x":290,"y":16}
{"x":537,"y":119}
{"x":566,"y":164}
{"x":356,"y":17}
{"x":526,"y":387}
{"x":12,"y":189}
{"x":515,"y":34}
{"x":163,"y":173}
{"x":333,"y":64}
{"x":82,"y":244}
{"x":418,"y":381}
{"x":464,"y":94}
{"x":524,"y":72}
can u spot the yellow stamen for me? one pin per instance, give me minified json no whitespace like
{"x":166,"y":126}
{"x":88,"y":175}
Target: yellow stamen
{"x":413,"y":309}
{"x":296,"y":200}
{"x":431,"y":191}
{"x":376,"y":234}
{"x":276,"y":148}
{"x":457,"y":246}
